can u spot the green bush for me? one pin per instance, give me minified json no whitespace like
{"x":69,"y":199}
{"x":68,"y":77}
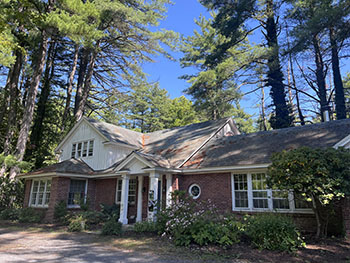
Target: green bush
{"x":146,"y":227}
{"x":30,"y":215}
{"x":110,"y":211}
{"x":9,"y":214}
{"x":187,"y":221}
{"x":60,"y":212}
{"x":94,"y":218}
{"x":274,"y":232}
{"x":112,"y":227}
{"x":76,"y":224}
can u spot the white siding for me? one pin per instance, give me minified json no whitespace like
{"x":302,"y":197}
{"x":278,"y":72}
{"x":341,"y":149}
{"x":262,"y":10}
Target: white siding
{"x":104,"y":155}
{"x":136,"y":167}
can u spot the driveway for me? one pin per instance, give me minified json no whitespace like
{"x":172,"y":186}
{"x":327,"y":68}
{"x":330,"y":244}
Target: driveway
{"x":42,"y":246}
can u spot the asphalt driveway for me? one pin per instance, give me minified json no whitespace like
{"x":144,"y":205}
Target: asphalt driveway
{"x":42,"y":246}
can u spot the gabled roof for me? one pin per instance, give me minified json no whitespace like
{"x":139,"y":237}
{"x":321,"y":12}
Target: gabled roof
{"x":118,"y":134}
{"x":177,"y":144}
{"x":257,"y":148}
{"x":71,"y":166}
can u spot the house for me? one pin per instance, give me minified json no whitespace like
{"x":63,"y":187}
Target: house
{"x":104,"y":163}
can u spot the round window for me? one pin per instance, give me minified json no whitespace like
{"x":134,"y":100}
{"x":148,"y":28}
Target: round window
{"x":194,"y":191}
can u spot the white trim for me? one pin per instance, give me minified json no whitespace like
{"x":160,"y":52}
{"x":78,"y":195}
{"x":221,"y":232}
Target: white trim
{"x":270,"y":208}
{"x":139,"y":198}
{"x":85,"y":194}
{"x":43,"y":205}
{"x":227,"y":168}
{"x":204,"y":143}
{"x":131,"y":158}
{"x":342,"y":142}
{"x":189,"y":191}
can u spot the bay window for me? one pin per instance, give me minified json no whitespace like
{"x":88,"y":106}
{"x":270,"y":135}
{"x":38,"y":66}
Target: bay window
{"x":40,"y":193}
{"x":250,"y":192}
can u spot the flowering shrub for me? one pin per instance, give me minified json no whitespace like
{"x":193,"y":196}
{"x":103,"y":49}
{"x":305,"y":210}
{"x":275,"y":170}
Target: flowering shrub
{"x":187,"y":221}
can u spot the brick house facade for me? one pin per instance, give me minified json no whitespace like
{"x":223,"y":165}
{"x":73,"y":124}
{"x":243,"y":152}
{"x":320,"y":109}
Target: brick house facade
{"x":104,"y":164}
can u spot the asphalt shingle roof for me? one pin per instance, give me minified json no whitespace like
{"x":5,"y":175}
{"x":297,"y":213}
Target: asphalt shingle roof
{"x":257,"y":148}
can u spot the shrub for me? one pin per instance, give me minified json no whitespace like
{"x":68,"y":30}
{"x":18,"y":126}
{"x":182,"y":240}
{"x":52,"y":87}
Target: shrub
{"x":9,"y":214}
{"x":273,"y":232}
{"x":110,"y":211}
{"x":189,"y":222}
{"x":76,"y":224}
{"x":94,"y":218}
{"x":146,"y":227}
{"x":11,"y":193}
{"x":60,"y":212}
{"x":112,"y":227}
{"x":30,"y":215}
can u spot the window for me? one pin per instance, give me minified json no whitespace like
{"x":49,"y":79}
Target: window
{"x":82,"y":149}
{"x":250,"y":192}
{"x":259,"y":191}
{"x":40,"y":194}
{"x":132,"y":191}
{"x":85,"y":145}
{"x":241,"y":190}
{"x":77,"y":192}
{"x":194,"y":191}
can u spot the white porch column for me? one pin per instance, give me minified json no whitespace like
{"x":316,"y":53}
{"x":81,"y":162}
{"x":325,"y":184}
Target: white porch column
{"x":123,"y":217}
{"x":139,"y":199}
{"x":153,"y":195}
{"x":169,"y":189}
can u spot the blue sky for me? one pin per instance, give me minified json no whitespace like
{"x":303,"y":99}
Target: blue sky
{"x":181,"y":16}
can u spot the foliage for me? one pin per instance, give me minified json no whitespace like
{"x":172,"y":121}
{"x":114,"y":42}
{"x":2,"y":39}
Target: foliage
{"x":76,"y":224}
{"x":274,"y":232}
{"x":146,"y":227}
{"x":320,"y":175}
{"x":9,"y":214}
{"x":110,"y":211}
{"x":11,"y":193}
{"x":187,"y":221}
{"x":94,"y":218}
{"x":112,"y":227}
{"x":30,"y":215}
{"x":60,"y":211}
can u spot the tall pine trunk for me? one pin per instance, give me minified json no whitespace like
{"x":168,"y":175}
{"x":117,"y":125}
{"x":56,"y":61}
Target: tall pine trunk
{"x":30,"y":103}
{"x":84,"y":60}
{"x":87,"y":85}
{"x":70,"y":87}
{"x":36,"y":135}
{"x":282,"y":117}
{"x":338,"y":83}
{"x":320,"y":78}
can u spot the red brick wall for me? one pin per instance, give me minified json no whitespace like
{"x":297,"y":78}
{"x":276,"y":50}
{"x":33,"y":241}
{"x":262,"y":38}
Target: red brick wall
{"x":105,"y":192}
{"x":214,"y":187}
{"x":91,"y":193}
{"x":27,"y":188}
{"x":59,"y":191}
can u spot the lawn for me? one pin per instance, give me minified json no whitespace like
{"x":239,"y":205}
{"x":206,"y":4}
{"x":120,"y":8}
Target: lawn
{"x":14,"y":237}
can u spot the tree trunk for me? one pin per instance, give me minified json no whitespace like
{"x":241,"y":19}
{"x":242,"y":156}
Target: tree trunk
{"x":275,"y":76}
{"x":30,"y":104}
{"x":87,"y":85}
{"x":6,"y":97}
{"x":70,"y":87}
{"x":338,"y":83}
{"x":81,"y":77}
{"x":320,"y":78}
{"x":35,"y":138}
{"x":13,"y":90}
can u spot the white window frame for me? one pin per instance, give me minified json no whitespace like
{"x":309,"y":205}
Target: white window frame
{"x":119,"y":183}
{"x":251,"y":208}
{"x":82,"y":143}
{"x":85,"y":193}
{"x":42,"y":205}
{"x":190,"y":192}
